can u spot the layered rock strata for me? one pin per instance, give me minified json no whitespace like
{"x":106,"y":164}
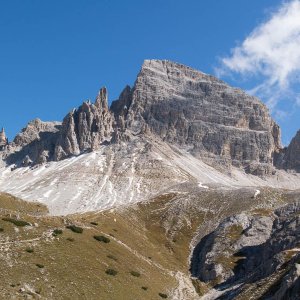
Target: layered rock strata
{"x":219,"y":124}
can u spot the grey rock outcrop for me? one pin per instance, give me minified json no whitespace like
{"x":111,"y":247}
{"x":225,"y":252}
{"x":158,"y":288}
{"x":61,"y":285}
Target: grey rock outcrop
{"x":221,"y":125}
{"x":34,"y":131}
{"x":258,"y":249}
{"x":217,"y":256}
{"x":34,"y":144}
{"x":292,"y":154}
{"x":215,"y":122}
{"x":85,"y":128}
{"x":3,"y":139}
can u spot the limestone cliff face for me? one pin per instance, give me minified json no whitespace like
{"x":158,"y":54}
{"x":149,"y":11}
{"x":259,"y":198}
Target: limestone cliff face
{"x":214,"y":121}
{"x":218,"y":124}
{"x":292,"y":154}
{"x":85,"y":128}
{"x":34,"y":144}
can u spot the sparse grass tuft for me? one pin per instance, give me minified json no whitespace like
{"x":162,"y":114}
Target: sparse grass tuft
{"x":262,"y":212}
{"x":16,"y":222}
{"x":111,"y":272}
{"x":75,"y":228}
{"x":102,"y":238}
{"x":228,"y":262}
{"x":234,"y":232}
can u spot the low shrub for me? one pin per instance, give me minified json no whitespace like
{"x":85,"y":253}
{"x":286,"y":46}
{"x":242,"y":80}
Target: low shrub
{"x":57,"y":232}
{"x":111,"y":272}
{"x":102,"y":238}
{"x":17,"y":222}
{"x":94,"y":223}
{"x":29,"y":250}
{"x":164,"y":296}
{"x":70,"y":239}
{"x":135,"y":274}
{"x":112,"y":257}
{"x":145,"y":288}
{"x":1,"y":229}
{"x":40,"y":266}
{"x":75,"y":228}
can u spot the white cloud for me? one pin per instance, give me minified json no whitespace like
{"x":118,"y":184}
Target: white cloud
{"x":272,"y":50}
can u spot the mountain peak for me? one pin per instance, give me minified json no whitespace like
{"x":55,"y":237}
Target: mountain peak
{"x":219,"y":124}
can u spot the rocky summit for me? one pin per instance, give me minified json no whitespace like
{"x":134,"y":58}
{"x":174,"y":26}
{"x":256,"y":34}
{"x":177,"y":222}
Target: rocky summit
{"x":221,"y":125}
{"x":179,"y":189}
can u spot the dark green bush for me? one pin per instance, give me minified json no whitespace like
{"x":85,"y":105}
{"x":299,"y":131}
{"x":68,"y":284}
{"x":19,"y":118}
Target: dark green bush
{"x":135,"y":274}
{"x":17,"y":222}
{"x":164,"y":296}
{"x":40,"y":266}
{"x":112,"y":257}
{"x":57,"y":232}
{"x":29,"y":250}
{"x":102,"y":238}
{"x":94,"y":223}
{"x":75,"y":228}
{"x":111,"y":272}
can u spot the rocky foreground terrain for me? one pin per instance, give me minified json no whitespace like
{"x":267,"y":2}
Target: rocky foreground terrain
{"x":164,"y":248}
{"x":180,"y":189}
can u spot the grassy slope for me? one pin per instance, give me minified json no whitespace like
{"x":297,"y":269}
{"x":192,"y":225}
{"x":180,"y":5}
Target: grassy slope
{"x":151,"y":238}
{"x":76,"y":269}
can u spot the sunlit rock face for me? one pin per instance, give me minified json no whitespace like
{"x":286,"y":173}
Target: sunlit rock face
{"x":85,"y":128}
{"x":219,"y":124}
{"x":3,"y":139}
{"x":215,"y":122}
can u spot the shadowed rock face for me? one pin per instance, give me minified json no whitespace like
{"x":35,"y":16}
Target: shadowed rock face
{"x":34,"y":144}
{"x":216,"y":123}
{"x":258,"y":249}
{"x":292,"y":155}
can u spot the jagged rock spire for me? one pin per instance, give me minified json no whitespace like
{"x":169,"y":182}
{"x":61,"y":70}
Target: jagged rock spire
{"x":85,"y":128}
{"x":102,"y":99}
{"x":3,"y":138}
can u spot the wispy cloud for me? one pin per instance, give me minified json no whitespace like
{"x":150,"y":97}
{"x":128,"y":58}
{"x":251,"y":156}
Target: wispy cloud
{"x":271,"y":51}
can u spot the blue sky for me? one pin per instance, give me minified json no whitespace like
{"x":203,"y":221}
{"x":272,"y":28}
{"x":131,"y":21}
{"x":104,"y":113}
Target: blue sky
{"x":55,"y":54}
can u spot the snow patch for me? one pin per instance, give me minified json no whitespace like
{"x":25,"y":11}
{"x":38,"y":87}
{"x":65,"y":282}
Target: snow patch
{"x":202,"y":186}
